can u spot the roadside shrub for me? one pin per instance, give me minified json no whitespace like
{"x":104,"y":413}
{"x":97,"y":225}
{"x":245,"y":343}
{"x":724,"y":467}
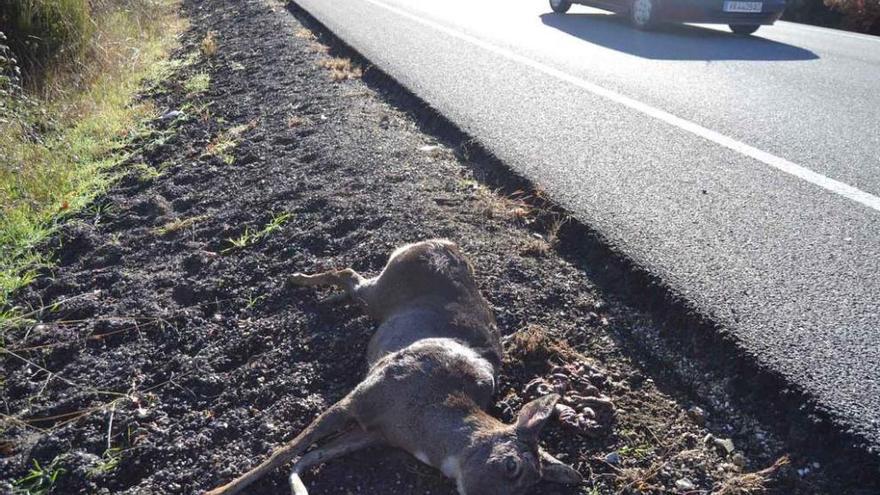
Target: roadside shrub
{"x":39,"y":31}
{"x":811,"y":12}
{"x":859,"y":15}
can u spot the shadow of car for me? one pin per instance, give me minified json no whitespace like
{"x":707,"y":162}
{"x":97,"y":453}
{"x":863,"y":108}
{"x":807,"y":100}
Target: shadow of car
{"x":673,"y":41}
{"x":743,"y":16}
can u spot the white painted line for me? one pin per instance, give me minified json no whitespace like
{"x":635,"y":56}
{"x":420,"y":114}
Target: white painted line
{"x":774,"y":161}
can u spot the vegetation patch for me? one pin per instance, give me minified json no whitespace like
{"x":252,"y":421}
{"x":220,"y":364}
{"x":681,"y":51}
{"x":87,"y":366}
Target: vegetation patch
{"x":341,"y":69}
{"x":249,"y":238}
{"x":223,"y":145}
{"x":177,"y":225}
{"x":66,"y":112}
{"x":198,"y":84}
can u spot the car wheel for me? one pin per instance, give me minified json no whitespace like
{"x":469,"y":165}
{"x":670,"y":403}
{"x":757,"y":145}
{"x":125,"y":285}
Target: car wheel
{"x":643,"y":14}
{"x":744,"y":29}
{"x":560,"y":6}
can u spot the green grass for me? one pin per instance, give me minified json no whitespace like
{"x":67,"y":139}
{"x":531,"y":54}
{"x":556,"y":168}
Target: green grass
{"x":109,"y":462}
{"x":224,"y":144}
{"x":39,"y":480}
{"x":249,"y":238}
{"x":198,"y":84}
{"x":85,"y":113}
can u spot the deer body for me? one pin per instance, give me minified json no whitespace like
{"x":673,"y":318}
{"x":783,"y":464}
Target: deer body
{"x":432,"y":368}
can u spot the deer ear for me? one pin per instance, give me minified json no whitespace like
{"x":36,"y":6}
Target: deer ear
{"x":554,"y":470}
{"x":534,"y":416}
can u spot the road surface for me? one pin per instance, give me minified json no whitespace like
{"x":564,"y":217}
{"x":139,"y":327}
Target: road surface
{"x":744,"y":172}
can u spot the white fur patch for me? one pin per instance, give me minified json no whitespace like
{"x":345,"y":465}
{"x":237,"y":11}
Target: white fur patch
{"x":451,"y":468}
{"x":460,"y":485}
{"x":422,"y":457}
{"x":467,"y":354}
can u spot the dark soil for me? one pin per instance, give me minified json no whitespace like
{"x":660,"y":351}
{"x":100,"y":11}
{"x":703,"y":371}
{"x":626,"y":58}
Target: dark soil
{"x":166,"y":358}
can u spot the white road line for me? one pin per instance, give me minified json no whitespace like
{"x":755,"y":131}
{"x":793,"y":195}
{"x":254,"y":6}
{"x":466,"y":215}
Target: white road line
{"x":774,"y":161}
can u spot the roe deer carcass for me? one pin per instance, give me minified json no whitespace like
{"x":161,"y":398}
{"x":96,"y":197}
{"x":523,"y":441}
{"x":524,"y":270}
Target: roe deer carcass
{"x":432,"y":370}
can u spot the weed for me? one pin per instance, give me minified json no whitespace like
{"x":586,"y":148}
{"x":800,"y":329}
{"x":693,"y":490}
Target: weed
{"x":197,"y":84}
{"x":208,"y":46}
{"x":59,"y":152}
{"x":534,"y":344}
{"x":536,"y":246}
{"x":316,"y":47}
{"x":295,"y":121}
{"x":638,"y":452}
{"x":305,"y":34}
{"x":252,"y":300}
{"x":145,"y":173}
{"x":177,"y":225}
{"x":225,"y":142}
{"x":751,"y":483}
{"x":496,"y":205}
{"x":39,"y":480}
{"x":341,"y":69}
{"x":109,"y":461}
{"x":541,"y":245}
{"x":248,"y":238}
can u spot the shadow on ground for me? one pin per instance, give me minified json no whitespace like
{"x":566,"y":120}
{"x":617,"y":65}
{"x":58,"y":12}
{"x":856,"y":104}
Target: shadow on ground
{"x":673,"y":42}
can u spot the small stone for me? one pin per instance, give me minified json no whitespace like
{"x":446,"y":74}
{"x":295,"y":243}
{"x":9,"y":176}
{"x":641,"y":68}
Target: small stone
{"x":724,"y":445}
{"x":685,"y":485}
{"x":173,"y":114}
{"x":613,"y":458}
{"x":697,"y":414}
{"x":739,"y":460}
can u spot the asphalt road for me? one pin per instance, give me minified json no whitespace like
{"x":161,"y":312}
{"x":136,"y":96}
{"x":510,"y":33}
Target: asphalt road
{"x":744,"y":172}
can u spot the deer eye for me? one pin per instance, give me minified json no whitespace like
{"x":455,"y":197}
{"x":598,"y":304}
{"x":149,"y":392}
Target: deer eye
{"x":512,"y":466}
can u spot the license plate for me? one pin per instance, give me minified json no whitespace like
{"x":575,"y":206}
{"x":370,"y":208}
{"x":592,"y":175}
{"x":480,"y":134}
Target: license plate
{"x":743,"y":6}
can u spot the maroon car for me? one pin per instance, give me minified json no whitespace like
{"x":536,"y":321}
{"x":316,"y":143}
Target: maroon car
{"x":743,"y":16}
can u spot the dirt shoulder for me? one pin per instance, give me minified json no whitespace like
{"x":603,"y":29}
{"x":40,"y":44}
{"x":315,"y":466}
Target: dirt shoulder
{"x":171,"y":354}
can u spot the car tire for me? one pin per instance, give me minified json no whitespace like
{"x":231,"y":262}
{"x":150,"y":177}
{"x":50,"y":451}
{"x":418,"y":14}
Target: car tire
{"x":744,"y":29}
{"x":643,"y":14}
{"x":560,"y":6}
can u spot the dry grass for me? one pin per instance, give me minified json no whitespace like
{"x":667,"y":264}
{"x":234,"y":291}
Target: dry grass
{"x":305,"y":34}
{"x":341,"y":69}
{"x":534,"y":344}
{"x":543,"y":245}
{"x":751,"y":483}
{"x":208,"y":46}
{"x":177,"y":225}
{"x":224,"y":144}
{"x":316,"y":47}
{"x":295,"y":121}
{"x":493,"y":204}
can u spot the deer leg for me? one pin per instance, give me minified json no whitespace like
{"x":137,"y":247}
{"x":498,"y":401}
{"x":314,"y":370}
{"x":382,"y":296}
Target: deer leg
{"x":347,"y":443}
{"x":348,"y":280}
{"x":331,"y":421}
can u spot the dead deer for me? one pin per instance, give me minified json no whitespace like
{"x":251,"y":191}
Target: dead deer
{"x":432,"y":369}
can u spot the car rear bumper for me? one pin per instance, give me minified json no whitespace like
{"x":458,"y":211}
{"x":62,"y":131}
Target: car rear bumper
{"x":702,"y":11}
